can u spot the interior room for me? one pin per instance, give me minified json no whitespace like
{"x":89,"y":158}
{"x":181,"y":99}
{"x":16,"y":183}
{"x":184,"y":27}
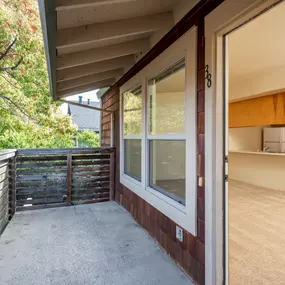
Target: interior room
{"x":167,"y":116}
{"x":256,"y":143}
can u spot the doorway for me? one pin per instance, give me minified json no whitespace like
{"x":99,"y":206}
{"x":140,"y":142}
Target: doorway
{"x":254,"y":166}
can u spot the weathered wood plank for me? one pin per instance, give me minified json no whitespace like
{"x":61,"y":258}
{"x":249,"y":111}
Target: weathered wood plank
{"x":41,"y":171}
{"x":112,"y":177}
{"x":96,"y":162}
{"x":85,"y":186}
{"x":53,"y":151}
{"x":99,"y":200}
{"x":91,"y":157}
{"x":3,"y":222}
{"x":50,"y":176}
{"x":3,"y":169}
{"x":81,"y":168}
{"x":44,"y":206}
{"x":39,"y":201}
{"x":41,"y":158}
{"x":4,"y":191}
{"x":6,"y":154}
{"x":12,"y":187}
{"x":69,"y":178}
{"x":41,"y":177}
{"x":4,"y":182}
{"x":42,"y":195}
{"x":48,"y":189}
{"x":4,"y":201}
{"x":4,"y":210}
{"x":90,"y":180}
{"x":91,"y":190}
{"x":91,"y":174}
{"x":4,"y":175}
{"x":90,"y":196}
{"x":40,"y":183}
{"x":43,"y":164}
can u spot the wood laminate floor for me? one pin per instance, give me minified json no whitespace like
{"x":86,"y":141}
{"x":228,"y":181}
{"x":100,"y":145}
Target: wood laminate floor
{"x":256,"y":235}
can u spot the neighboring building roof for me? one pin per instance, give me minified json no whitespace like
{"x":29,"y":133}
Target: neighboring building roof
{"x":85,"y":119}
{"x":101,"y":92}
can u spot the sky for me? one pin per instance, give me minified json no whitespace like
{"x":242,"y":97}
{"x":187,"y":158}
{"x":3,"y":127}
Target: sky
{"x":87,"y":95}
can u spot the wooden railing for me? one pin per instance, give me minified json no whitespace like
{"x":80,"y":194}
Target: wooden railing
{"x":39,"y":178}
{"x":57,"y":177}
{"x":7,"y":187}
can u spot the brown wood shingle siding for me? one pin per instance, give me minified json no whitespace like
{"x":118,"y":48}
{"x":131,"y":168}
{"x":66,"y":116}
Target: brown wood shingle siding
{"x":110,"y":101}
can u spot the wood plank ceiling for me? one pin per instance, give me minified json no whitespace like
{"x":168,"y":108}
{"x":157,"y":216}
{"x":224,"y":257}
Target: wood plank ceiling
{"x":97,"y":41}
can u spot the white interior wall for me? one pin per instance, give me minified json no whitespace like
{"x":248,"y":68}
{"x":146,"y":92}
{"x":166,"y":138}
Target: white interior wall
{"x":248,"y":139}
{"x":256,"y":68}
{"x":263,"y":83}
{"x":258,"y":169}
{"x":256,"y":56}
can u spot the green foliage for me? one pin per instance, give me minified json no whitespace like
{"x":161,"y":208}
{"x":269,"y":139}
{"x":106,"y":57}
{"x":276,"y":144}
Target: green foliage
{"x":33,"y":120}
{"x":132,"y":113}
{"x":88,"y":138}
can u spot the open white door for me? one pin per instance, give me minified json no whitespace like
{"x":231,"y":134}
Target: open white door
{"x":230,"y":15}
{"x":226,"y":155}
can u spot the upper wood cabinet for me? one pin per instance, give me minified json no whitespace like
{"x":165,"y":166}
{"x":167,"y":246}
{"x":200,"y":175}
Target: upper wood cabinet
{"x":261,"y":111}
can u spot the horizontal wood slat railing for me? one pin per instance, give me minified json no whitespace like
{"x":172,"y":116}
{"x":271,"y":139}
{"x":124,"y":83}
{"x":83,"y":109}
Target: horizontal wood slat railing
{"x":7,"y":187}
{"x":61,"y":177}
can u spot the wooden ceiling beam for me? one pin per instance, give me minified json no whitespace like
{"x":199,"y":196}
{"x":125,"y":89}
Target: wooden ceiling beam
{"x":93,"y":68}
{"x":102,"y":53}
{"x":89,"y":79}
{"x":85,"y":88}
{"x":78,"y":4}
{"x":113,"y":29}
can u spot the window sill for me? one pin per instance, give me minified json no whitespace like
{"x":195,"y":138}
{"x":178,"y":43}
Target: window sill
{"x":167,"y":199}
{"x":169,"y":207}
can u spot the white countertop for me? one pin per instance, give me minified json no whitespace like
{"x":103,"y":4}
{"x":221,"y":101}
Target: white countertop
{"x":257,"y":152}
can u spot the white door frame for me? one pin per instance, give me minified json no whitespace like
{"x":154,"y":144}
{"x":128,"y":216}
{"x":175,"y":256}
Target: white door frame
{"x":225,"y":18}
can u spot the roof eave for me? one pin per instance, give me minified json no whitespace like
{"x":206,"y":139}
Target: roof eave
{"x":48,"y":22}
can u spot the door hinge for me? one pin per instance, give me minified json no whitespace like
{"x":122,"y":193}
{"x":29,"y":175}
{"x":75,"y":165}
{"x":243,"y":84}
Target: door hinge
{"x":226,"y":159}
{"x":226,"y":178}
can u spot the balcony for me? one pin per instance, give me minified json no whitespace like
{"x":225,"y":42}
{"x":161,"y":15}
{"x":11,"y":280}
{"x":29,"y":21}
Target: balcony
{"x":60,"y":226}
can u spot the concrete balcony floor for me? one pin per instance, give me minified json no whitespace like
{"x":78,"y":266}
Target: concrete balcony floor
{"x":85,"y":244}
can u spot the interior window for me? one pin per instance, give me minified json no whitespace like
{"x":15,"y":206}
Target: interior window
{"x":167,"y":171}
{"x":166,"y":103}
{"x":133,"y":158}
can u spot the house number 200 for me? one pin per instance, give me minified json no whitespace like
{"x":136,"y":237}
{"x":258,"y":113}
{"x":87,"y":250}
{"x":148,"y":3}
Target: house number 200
{"x":208,"y":76}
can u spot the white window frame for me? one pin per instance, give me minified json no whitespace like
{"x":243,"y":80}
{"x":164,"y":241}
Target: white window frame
{"x":165,"y":137}
{"x":130,"y":137}
{"x":184,"y":215}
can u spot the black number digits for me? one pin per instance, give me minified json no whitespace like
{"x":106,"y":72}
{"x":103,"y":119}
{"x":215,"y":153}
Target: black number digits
{"x":208,"y":76}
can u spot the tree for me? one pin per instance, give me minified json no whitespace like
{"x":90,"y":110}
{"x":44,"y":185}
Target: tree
{"x":88,"y":138}
{"x":28,"y":116}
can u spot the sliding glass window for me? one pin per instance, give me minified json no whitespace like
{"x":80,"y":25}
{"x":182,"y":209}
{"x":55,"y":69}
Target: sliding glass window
{"x":132,"y":132}
{"x":166,"y":132}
